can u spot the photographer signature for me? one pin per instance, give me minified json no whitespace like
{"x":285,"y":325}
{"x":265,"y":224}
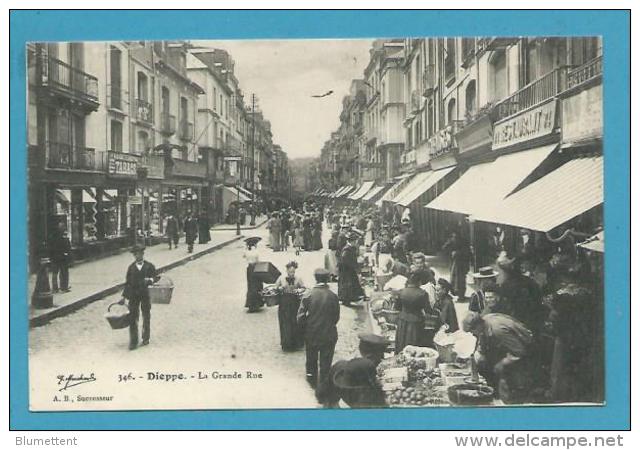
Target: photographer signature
{"x":71,"y":380}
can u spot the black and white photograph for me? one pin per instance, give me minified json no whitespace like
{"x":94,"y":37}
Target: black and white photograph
{"x":411,"y":222}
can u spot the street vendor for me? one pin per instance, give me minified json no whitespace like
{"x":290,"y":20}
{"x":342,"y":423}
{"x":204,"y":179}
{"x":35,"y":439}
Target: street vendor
{"x":484,"y":280}
{"x":349,"y":288}
{"x":502,"y":353}
{"x":289,"y":285}
{"x":354,"y":381}
{"x":444,"y":306}
{"x":424,"y":273}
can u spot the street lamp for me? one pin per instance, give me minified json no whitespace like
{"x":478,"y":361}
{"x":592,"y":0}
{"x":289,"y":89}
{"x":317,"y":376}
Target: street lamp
{"x":142,"y":173}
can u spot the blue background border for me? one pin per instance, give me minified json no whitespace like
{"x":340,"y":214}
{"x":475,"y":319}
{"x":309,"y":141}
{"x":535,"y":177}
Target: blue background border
{"x":150,"y":25}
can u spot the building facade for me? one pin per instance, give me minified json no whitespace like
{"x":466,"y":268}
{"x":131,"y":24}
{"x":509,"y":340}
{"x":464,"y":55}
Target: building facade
{"x":120,"y":134}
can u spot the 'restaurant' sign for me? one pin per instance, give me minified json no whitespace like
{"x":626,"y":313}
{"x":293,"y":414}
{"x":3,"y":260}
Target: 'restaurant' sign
{"x":531,"y":124}
{"x":123,"y":165}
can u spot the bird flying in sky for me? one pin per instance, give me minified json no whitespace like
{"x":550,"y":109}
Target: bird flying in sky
{"x":323,"y":95}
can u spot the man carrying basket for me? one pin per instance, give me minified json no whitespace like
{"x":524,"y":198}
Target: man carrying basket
{"x":140,"y":275}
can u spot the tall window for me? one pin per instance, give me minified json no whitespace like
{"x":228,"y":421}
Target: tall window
{"x":143,"y":142}
{"x":450,"y":60}
{"x":184,"y":110}
{"x":470,"y":99}
{"x":215,"y":99}
{"x":166,"y":100}
{"x":143,"y":87}
{"x":451,"y":111}
{"x":116,"y":136}
{"x":115,"y":59}
{"x":584,"y":49}
{"x":498,"y":76}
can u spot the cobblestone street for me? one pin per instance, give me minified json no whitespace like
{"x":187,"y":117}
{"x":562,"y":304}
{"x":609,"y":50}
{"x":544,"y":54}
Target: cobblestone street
{"x":205,"y":329}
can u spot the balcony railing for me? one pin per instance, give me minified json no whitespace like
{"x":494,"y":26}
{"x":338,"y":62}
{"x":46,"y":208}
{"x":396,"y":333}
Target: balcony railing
{"x":66,"y":78}
{"x":167,"y":124}
{"x":186,"y":130}
{"x":584,"y":73}
{"x":534,"y":93}
{"x":70,"y":157}
{"x":144,"y":111}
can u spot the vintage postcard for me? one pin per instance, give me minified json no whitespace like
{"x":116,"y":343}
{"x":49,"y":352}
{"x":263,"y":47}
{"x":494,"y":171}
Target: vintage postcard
{"x":315,"y":223}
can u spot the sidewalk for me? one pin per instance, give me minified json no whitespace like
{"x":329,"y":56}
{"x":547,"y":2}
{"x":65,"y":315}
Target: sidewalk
{"x":93,"y":280}
{"x":260,"y":220}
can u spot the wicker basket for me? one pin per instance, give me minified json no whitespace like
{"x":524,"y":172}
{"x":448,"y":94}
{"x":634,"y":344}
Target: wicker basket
{"x":272,"y":299}
{"x":118,"y":321}
{"x":390,"y":316}
{"x":446,"y":352}
{"x":161,"y":291}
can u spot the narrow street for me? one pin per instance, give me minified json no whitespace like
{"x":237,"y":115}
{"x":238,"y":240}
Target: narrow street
{"x":204,"y":330}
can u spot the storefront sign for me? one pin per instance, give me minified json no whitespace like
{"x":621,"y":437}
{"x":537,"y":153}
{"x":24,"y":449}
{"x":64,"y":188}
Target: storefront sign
{"x":123,"y":165}
{"x":475,"y":135}
{"x":134,"y":200}
{"x":531,"y":124}
{"x":582,"y":115}
{"x":442,"y":141}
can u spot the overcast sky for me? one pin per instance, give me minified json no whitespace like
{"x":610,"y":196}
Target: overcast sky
{"x":284,"y":74}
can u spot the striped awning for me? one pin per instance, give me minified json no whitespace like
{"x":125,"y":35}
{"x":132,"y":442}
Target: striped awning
{"x":394,"y":190}
{"x":480,"y":191}
{"x":372,"y":193}
{"x":420,"y":184}
{"x":563,"y":194}
{"x":362,"y":191}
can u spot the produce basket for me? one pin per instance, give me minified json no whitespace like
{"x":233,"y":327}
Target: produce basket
{"x":470,"y":394}
{"x":426,"y":354}
{"x":389,"y":315}
{"x":118,"y":320}
{"x":381,"y":280}
{"x":161,"y":291}
{"x":446,"y":352}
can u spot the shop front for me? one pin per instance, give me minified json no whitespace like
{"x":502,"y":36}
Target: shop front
{"x":182,"y":188}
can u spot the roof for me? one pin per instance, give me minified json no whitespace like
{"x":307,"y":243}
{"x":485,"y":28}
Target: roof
{"x":479,"y":191}
{"x":594,"y":243}
{"x":568,"y":191}
{"x":363,"y":190}
{"x":420,"y":184}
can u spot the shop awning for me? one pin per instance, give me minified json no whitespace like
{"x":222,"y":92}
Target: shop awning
{"x":394,"y":190}
{"x":237,"y":195}
{"x":372,"y":193}
{"x":346,"y":192}
{"x":420,"y":184}
{"x":246,"y":192}
{"x":88,"y":196}
{"x":482,"y":188}
{"x":366,"y":186}
{"x":594,"y":243}
{"x":570,"y":190}
{"x":338,"y":192}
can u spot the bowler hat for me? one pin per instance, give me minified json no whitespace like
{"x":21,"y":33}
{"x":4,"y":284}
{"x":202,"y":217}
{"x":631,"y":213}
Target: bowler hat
{"x":321,"y":274}
{"x":137,"y":248}
{"x":485,"y":272}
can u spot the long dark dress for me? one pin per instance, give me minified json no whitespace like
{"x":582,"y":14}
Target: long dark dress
{"x":307,"y":234}
{"x":254,"y":287}
{"x":204,"y":235}
{"x":291,"y":337}
{"x":414,"y":303}
{"x":317,"y":236}
{"x":349,"y":289}
{"x":460,"y":258}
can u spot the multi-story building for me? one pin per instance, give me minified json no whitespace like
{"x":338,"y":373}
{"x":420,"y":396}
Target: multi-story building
{"x":122,"y":133}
